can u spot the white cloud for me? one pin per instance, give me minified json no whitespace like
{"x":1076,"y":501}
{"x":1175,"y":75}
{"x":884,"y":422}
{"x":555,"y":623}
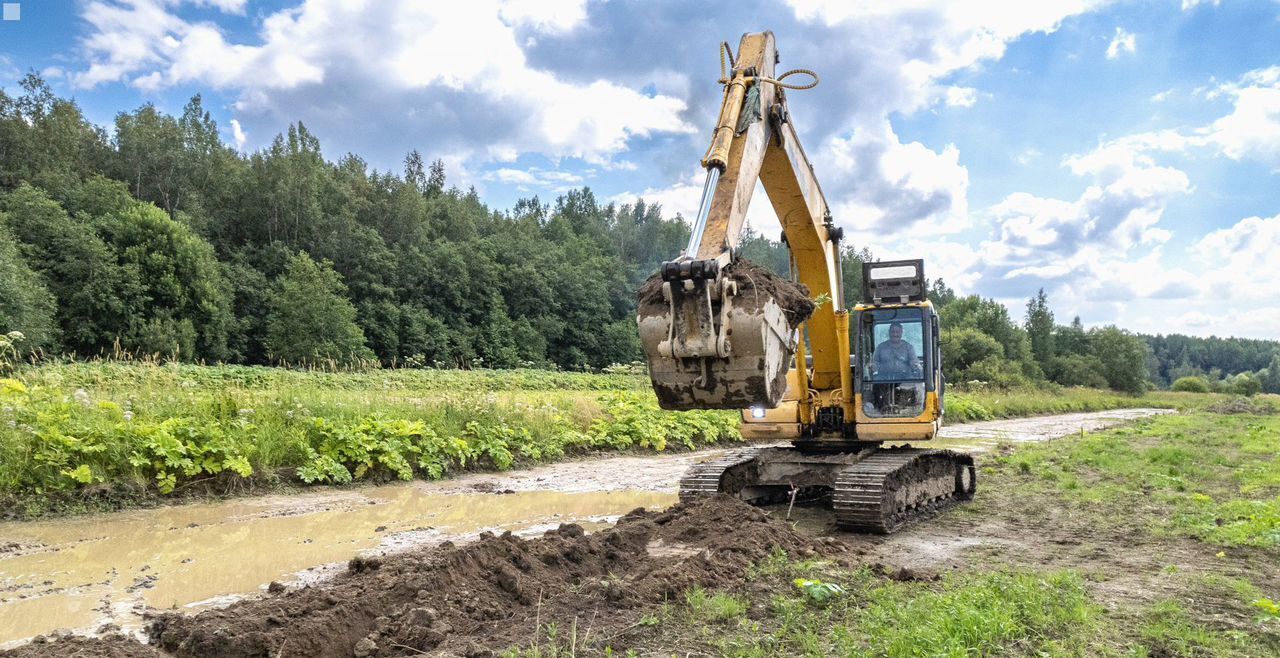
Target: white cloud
{"x":1251,"y":130}
{"x":961,"y":96}
{"x":238,"y":135}
{"x":1123,"y":42}
{"x":1192,"y":4}
{"x":888,"y":187}
{"x":228,"y":6}
{"x":544,"y":15}
{"x":391,"y":50}
{"x":1253,"y":127}
{"x":943,"y":36}
{"x":528,"y":179}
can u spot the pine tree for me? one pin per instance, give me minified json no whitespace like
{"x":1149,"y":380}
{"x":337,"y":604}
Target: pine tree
{"x":1040,"y":328}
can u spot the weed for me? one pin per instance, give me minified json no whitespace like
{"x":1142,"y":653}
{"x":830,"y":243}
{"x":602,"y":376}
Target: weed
{"x":717,"y":608}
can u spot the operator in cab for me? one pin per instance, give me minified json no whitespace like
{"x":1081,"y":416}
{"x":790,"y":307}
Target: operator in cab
{"x":895,"y":357}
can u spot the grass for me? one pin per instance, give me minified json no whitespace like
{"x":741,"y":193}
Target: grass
{"x":70,"y":432}
{"x":962,"y":615}
{"x":1212,"y":477}
{"x":1198,"y":492}
{"x":105,"y":433}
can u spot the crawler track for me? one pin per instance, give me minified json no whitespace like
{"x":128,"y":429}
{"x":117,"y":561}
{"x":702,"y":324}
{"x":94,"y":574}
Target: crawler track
{"x":895,"y":487}
{"x":706,"y":478}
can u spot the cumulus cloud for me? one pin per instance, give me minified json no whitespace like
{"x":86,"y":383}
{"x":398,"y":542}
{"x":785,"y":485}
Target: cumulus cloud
{"x":889,"y":187}
{"x":1102,"y":246}
{"x":238,"y":135}
{"x":1252,"y":130}
{"x":961,"y":96}
{"x":1123,"y":42}
{"x":449,"y":72}
{"x":535,"y":179}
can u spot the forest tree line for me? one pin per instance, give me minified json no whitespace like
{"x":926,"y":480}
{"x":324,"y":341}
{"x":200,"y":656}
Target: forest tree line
{"x":159,"y":239}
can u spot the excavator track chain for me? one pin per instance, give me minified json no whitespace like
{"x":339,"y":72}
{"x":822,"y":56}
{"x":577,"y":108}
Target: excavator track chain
{"x":705,"y":478}
{"x":897,"y":486}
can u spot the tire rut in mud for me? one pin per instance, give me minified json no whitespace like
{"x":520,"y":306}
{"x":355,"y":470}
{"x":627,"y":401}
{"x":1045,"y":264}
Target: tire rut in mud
{"x":480,"y":598}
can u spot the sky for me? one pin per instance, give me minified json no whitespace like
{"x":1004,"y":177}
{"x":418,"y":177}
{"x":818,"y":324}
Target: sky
{"x":1123,"y":156}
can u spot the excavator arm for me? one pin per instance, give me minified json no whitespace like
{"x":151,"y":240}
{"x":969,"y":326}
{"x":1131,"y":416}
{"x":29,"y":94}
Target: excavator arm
{"x":710,"y":344}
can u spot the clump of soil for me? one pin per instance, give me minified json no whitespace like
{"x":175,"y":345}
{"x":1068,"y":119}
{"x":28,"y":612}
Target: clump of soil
{"x":756,"y":285}
{"x":484,"y":597}
{"x":1242,"y":406}
{"x":105,"y":646}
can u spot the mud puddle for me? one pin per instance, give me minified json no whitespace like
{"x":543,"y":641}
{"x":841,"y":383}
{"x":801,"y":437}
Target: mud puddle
{"x":81,"y":573}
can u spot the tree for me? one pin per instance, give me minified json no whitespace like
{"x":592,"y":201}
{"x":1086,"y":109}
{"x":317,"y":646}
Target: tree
{"x":310,"y":320}
{"x":1077,"y":370}
{"x":964,"y":347}
{"x":1039,"y":325}
{"x":1071,"y":339}
{"x":183,"y":304}
{"x":94,"y":294}
{"x":414,"y":172}
{"x":1245,"y":383}
{"x":435,"y":180}
{"x":1270,"y":375}
{"x":25,"y":303}
{"x":1123,"y":357}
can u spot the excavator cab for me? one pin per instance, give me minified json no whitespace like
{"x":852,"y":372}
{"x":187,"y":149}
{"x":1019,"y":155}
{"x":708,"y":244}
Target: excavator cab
{"x":897,"y":359}
{"x":894,"y":363}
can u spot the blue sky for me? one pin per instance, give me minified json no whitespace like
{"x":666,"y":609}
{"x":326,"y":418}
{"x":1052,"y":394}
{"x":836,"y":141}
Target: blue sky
{"x":1125,"y":156}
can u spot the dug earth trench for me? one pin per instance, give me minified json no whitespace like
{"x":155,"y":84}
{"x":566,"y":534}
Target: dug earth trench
{"x":409,"y":589}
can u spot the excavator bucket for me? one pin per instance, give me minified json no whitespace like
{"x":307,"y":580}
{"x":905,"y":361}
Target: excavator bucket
{"x":721,"y":343}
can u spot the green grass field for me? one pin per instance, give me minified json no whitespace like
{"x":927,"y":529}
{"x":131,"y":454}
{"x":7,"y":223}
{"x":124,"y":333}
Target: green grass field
{"x":72,"y":434}
{"x":1158,"y":538}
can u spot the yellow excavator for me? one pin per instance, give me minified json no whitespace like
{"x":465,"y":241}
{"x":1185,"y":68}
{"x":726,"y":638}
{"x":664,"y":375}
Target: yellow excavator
{"x":721,"y":333}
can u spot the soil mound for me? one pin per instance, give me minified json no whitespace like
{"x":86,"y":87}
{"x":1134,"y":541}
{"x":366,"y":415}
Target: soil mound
{"x":1242,"y":406}
{"x":106,"y":646}
{"x":756,"y":285}
{"x":483,"y":597}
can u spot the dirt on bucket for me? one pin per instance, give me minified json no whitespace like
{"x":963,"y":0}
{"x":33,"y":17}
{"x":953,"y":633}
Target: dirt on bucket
{"x":756,"y":285}
{"x":481,"y":598}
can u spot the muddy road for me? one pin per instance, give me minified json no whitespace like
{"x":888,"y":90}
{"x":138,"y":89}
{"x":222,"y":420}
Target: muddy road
{"x":82,"y":574}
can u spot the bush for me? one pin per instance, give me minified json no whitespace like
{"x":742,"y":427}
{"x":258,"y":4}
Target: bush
{"x":1191,"y":385}
{"x":1245,"y":383}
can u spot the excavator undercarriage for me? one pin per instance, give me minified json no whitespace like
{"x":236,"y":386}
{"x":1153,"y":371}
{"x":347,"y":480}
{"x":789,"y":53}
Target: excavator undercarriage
{"x":871,"y":489}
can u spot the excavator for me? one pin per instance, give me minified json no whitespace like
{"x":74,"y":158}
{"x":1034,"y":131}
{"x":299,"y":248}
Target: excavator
{"x":821,"y":387}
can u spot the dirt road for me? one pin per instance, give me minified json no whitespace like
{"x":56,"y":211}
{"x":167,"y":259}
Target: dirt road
{"x":83,"y":573}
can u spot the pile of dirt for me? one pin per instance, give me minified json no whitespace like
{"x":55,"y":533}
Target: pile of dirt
{"x":480,"y":598}
{"x":112,"y":645}
{"x":1242,"y":406}
{"x":756,"y":285}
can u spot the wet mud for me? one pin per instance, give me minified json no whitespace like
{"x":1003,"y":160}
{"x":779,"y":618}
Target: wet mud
{"x":484,"y":597}
{"x":81,"y":573}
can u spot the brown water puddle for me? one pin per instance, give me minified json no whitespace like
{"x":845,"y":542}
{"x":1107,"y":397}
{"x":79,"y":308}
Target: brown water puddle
{"x":81,"y":573}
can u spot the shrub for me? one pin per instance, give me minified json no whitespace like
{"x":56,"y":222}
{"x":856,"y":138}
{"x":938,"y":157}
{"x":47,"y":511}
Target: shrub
{"x":1191,"y":385}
